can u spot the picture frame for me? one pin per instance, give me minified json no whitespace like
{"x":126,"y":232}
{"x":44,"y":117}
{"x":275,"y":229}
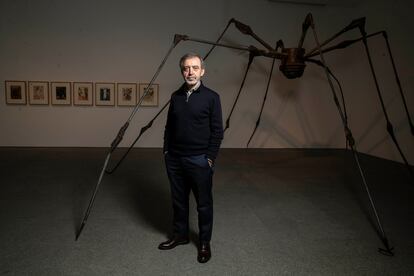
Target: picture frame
{"x":15,"y":92}
{"x":38,"y":92}
{"x":83,"y":93}
{"x":104,"y":94}
{"x":151,"y":99}
{"x":61,"y":93}
{"x":126,"y":94}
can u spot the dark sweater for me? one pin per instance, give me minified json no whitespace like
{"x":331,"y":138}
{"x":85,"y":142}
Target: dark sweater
{"x":195,"y":126}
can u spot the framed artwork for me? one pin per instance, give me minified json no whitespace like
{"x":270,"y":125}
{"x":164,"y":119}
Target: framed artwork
{"x":15,"y":92}
{"x":105,"y":94}
{"x":127,"y":94}
{"x":61,"y":93}
{"x":82,"y":93}
{"x":151,"y":98}
{"x":38,"y":92}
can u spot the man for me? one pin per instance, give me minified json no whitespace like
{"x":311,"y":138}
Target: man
{"x":192,"y":138}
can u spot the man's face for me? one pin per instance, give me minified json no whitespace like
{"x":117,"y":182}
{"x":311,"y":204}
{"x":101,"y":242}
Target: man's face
{"x":192,"y":71}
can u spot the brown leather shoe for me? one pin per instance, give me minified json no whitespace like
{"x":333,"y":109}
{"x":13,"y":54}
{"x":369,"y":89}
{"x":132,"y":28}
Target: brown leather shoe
{"x":204,"y":252}
{"x":173,"y":242}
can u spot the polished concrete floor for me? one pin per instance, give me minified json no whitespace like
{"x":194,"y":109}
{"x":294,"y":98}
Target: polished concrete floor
{"x":277,"y":212}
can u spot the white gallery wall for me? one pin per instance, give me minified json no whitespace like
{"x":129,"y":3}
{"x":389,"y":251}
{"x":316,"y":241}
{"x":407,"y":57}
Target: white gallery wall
{"x":125,"y":41}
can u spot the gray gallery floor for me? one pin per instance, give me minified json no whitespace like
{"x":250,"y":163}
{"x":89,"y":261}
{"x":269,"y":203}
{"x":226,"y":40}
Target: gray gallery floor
{"x":277,"y":212}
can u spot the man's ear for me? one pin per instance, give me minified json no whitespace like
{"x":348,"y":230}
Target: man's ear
{"x":202,"y":72}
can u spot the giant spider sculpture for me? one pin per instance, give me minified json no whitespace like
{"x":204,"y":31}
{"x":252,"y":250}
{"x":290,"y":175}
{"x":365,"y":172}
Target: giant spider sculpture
{"x":292,"y":65}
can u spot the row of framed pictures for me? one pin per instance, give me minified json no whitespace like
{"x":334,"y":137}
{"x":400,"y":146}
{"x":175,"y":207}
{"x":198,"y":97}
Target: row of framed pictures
{"x":80,"y":93}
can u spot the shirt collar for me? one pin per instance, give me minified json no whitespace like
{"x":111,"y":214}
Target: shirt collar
{"x":194,"y":88}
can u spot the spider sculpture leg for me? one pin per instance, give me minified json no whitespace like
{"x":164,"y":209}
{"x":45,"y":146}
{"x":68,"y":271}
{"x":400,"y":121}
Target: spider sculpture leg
{"x":117,"y":140}
{"x":388,"y":250}
{"x":279,"y":44}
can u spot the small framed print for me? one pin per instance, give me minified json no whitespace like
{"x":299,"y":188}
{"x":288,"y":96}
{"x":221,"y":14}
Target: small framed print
{"x":82,"y":93}
{"x":105,"y":94}
{"x":127,"y":94}
{"x":151,"y":97}
{"x":15,"y":92}
{"x":61,"y":93}
{"x":38,"y":92}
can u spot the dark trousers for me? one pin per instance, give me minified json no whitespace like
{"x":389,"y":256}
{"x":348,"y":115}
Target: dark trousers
{"x":186,"y":174}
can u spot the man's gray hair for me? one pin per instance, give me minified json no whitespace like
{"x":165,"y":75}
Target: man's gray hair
{"x":191,"y":55}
